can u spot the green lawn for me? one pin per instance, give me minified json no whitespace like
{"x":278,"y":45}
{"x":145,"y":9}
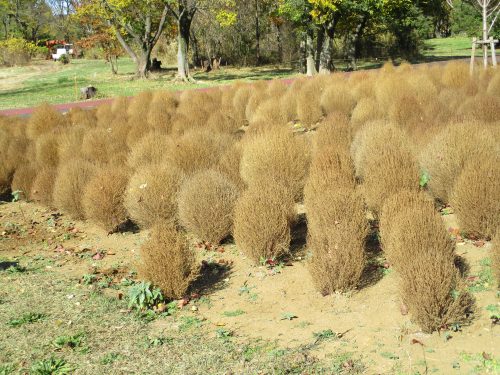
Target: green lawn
{"x":46,"y":81}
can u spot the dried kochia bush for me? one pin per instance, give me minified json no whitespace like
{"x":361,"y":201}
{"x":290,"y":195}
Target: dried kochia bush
{"x":206,"y":205}
{"x":168,"y":262}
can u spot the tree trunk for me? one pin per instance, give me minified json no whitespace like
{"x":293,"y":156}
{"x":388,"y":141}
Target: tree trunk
{"x":280,"y":44}
{"x":327,"y":52}
{"x":303,"y":54}
{"x":320,"y":39}
{"x":257,"y":34}
{"x":184,"y":25}
{"x":113,"y":60}
{"x":485,"y":33}
{"x":360,"y":29}
{"x":309,"y":47}
{"x":144,"y":65}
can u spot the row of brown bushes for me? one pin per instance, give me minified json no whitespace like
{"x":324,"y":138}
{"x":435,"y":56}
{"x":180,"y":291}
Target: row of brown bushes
{"x":236,"y":161}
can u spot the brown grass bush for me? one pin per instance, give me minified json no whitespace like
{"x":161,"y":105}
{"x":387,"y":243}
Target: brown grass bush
{"x":240,"y":101}
{"x":151,"y":194}
{"x":361,"y":85}
{"x":309,"y":111}
{"x":43,"y":185}
{"x":6,"y":175}
{"x":335,"y":130}
{"x":70,"y":142}
{"x":23,"y":178}
{"x":150,"y":149}
{"x":493,"y":87}
{"x":279,"y":156}
{"x":83,"y":117}
{"x":475,"y":197}
{"x":268,"y":112}
{"x":329,"y":168}
{"x":44,"y":119}
{"x":288,"y":102}
{"x":229,"y":165}
{"x":97,"y":145}
{"x":105,"y":115}
{"x":481,"y":108}
{"x":161,"y":111}
{"x":103,"y":197}
{"x":455,"y":75}
{"x":387,"y":164}
{"x":337,"y":97}
{"x":168,"y":262}
{"x":263,"y":216}
{"x":197,"y":150}
{"x":206,"y":205}
{"x":337,"y":230}
{"x":71,"y":178}
{"x":259,"y":94}
{"x":430,"y":284}
{"x":402,"y":201}
{"x":139,"y":105}
{"x":276,"y":88}
{"x":445,"y":156}
{"x":47,"y":150}
{"x":366,"y":110}
{"x":220,"y":122}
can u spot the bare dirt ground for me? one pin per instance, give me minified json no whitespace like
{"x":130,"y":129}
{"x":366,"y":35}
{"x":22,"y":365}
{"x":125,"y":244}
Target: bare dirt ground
{"x":249,"y":319}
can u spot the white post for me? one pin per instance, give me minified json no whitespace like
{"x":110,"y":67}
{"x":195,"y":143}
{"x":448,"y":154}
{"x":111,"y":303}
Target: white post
{"x":472,"y":56}
{"x":484,"y":4}
{"x":493,"y":53}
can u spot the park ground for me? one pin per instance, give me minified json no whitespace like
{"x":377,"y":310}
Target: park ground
{"x":63,"y":303}
{"x":46,"y":81}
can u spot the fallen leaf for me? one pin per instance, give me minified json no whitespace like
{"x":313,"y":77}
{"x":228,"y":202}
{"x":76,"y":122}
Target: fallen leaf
{"x":404,"y":309}
{"x":487,"y":356}
{"x":98,"y":256}
{"x":479,"y":243}
{"x":415,"y":341}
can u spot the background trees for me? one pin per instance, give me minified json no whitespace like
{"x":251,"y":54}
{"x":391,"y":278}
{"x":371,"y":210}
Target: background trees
{"x":307,"y":34}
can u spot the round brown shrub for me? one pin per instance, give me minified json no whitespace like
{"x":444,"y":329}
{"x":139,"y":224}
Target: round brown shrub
{"x":329,"y":168}
{"x":337,"y":98}
{"x":278,"y":156}
{"x":229,"y":165}
{"x":402,"y":201}
{"x":47,"y":150}
{"x":220,"y":122}
{"x":387,"y":163}
{"x":455,"y":75}
{"x":43,"y":120}
{"x":206,"y":205}
{"x":262,"y":218}
{"x":475,"y":197}
{"x":139,"y":105}
{"x":150,"y":149}
{"x":429,"y":283}
{"x":23,"y":178}
{"x":366,"y":110}
{"x":103,"y":197}
{"x":456,"y":145}
{"x":151,"y":194}
{"x":198,"y":150}
{"x":162,"y":109}
{"x":71,"y":179}
{"x":240,"y":101}
{"x":70,"y":142}
{"x":337,"y":230}
{"x":309,"y":111}
{"x":168,"y":262}
{"x":83,"y":117}
{"x":335,"y":130}
{"x":43,"y":185}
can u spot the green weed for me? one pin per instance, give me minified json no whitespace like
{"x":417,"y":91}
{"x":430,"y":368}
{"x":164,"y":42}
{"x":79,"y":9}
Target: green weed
{"x":70,"y":342}
{"x":7,"y":369}
{"x":26,"y":319}
{"x":109,"y":358}
{"x":144,"y":296}
{"x":233,"y":313}
{"x":51,"y":366}
{"x":484,"y":279}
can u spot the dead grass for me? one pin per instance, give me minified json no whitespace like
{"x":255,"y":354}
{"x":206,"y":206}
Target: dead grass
{"x":206,"y":204}
{"x":447,"y":154}
{"x":337,"y":228}
{"x":168,"y":262}
{"x":150,"y":149}
{"x":262,"y":219}
{"x":23,"y":178}
{"x":495,"y":257}
{"x":276,"y":155}
{"x":475,"y":197}
{"x":43,"y":185}
{"x":430,"y":284}
{"x":151,"y":194}
{"x":44,"y":120}
{"x":71,"y":178}
{"x":103,"y":197}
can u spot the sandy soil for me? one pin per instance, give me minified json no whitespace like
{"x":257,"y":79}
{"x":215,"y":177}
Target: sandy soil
{"x":280,"y":304}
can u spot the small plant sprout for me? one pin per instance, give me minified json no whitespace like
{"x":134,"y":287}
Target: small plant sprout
{"x":70,"y":342}
{"x":143,"y":296}
{"x":288,"y":316}
{"x":223,"y":334}
{"x":26,"y":319}
{"x":51,"y":366}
